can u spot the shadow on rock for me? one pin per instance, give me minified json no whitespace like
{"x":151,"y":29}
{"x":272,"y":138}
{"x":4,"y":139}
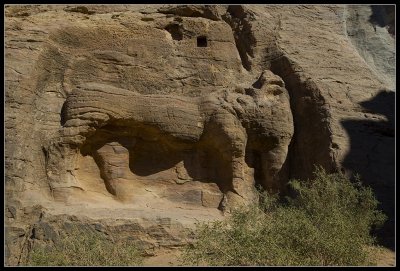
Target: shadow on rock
{"x":372,"y":155}
{"x":383,"y":15}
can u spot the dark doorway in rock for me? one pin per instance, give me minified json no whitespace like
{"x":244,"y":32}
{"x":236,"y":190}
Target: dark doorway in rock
{"x":202,"y":41}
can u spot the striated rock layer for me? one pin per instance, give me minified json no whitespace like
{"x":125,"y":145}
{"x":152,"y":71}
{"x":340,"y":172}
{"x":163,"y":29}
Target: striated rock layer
{"x":139,"y":120}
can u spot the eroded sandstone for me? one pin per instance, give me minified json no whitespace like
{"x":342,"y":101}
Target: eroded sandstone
{"x":156,"y":113}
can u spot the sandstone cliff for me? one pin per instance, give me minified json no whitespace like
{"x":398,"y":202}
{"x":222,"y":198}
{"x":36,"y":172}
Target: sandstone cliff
{"x":139,"y":120}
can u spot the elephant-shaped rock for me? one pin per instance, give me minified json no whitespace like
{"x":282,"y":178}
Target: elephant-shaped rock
{"x":225,"y":142}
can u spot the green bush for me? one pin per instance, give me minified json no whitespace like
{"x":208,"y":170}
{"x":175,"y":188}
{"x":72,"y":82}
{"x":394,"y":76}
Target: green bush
{"x":85,"y":247}
{"x":326,"y":223}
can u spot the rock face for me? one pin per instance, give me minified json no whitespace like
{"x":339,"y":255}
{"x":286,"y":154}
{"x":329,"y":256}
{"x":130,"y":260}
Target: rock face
{"x":152,"y":113}
{"x":173,"y":138}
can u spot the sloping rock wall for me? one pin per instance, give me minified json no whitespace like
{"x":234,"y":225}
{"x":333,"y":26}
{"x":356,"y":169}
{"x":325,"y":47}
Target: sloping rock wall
{"x":177,"y":112}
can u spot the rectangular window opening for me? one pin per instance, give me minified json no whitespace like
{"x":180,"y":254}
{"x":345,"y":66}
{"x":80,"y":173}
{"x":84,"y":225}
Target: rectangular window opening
{"x":202,"y":41}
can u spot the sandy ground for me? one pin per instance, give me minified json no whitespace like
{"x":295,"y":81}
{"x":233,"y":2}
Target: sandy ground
{"x":386,"y":257}
{"x":167,"y":258}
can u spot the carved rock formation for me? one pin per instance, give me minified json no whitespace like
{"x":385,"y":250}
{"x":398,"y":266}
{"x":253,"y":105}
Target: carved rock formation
{"x":152,"y":117}
{"x":170,"y":138}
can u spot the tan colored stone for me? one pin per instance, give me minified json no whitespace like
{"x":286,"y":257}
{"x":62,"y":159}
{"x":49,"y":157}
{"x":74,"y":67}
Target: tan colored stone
{"x":172,"y":113}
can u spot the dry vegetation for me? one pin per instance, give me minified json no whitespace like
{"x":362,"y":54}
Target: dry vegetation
{"x":326,"y":222}
{"x":83,"y":247}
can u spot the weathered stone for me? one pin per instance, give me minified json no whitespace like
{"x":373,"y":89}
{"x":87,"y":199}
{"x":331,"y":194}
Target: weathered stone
{"x":144,"y":119}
